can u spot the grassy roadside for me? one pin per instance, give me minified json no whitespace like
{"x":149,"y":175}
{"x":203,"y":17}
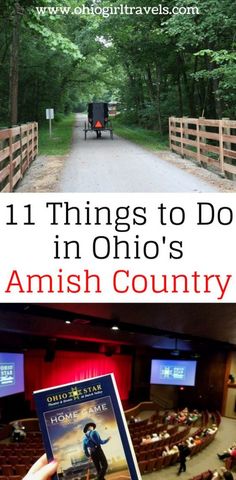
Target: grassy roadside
{"x":141,"y":136}
{"x":60,"y":141}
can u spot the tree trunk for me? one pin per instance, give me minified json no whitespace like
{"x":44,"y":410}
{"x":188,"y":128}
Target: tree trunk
{"x":158,"y":75}
{"x":180,"y":97}
{"x":218,"y":103}
{"x":188,"y":89}
{"x":150,"y":84}
{"x":14,"y":66}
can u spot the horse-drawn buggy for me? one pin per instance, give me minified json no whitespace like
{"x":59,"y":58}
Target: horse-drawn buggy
{"x":98,"y":120}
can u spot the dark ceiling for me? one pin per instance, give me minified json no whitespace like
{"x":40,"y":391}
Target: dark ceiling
{"x":195,"y":326}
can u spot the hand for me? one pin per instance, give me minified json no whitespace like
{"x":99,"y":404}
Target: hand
{"x":109,"y":438}
{"x":41,"y":470}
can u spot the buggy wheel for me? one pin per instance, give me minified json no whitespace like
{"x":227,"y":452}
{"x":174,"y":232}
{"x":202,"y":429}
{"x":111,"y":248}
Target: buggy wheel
{"x":111,"y":134}
{"x":85,"y":134}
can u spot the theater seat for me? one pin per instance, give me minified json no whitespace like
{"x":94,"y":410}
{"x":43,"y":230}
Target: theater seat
{"x":13,"y":459}
{"x":143,"y":466}
{"x":25,"y":459}
{"x":142,"y":456}
{"x":7,"y":470}
{"x":207,"y":475}
{"x":159,"y":463}
{"x":21,"y":469}
{"x":151,"y":465}
{"x":198,"y":477}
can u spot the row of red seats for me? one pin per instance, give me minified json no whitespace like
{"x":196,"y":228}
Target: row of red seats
{"x":156,"y":463}
{"x":11,"y":477}
{"x":173,"y":439}
{"x":158,"y":429}
{"x":137,"y":425}
{"x":140,"y":427}
{"x":145,"y":427}
{"x":204,"y":476}
{"x":152,"y":427}
{"x":22,"y":447}
{"x":20,"y":459}
{"x":11,"y":470}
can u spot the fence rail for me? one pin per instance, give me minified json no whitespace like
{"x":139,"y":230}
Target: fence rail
{"x":18,"y":148}
{"x":210,"y":142}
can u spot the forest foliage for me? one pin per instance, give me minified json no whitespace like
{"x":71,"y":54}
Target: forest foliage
{"x":153,"y":65}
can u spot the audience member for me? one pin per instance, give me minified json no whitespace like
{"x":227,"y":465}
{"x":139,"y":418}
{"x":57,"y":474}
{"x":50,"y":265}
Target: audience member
{"x":193,"y":417}
{"x":184,"y":452}
{"x":231,"y":452}
{"x":165,"y":452}
{"x":227,"y":475}
{"x":197,"y":440}
{"x":170,"y":451}
{"x":215,"y":475}
{"x":211,"y":430}
{"x":190,"y":442}
{"x":132,"y":420}
{"x":222,"y":471}
{"x":231,"y":378}
{"x":146,"y":439}
{"x":18,"y":431}
{"x":181,"y":417}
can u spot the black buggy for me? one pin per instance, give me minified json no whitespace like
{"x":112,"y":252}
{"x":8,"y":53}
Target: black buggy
{"x":98,"y":120}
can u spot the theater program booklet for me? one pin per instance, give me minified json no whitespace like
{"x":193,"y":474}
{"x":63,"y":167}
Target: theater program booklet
{"x":84,"y":429}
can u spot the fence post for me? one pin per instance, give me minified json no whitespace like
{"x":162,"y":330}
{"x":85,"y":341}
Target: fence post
{"x":221,"y":146}
{"x":27,"y":147}
{"x":202,"y":128}
{"x":170,"y":143}
{"x":37,"y":139}
{"x":181,"y":138}
{"x":21,"y":152}
{"x":33,"y":141}
{"x":226,"y":130}
{"x":10,"y":159}
{"x":184,"y":135}
{"x":198,"y":141}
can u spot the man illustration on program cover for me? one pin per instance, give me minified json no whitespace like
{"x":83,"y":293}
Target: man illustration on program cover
{"x":92,"y":448}
{"x":77,"y":433}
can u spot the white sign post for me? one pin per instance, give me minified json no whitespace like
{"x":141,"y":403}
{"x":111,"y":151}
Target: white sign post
{"x":50,"y":117}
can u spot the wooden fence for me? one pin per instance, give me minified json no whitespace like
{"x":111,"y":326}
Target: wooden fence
{"x":18,"y":148}
{"x":210,"y":142}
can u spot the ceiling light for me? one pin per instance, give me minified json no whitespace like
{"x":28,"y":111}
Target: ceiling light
{"x":68,"y":322}
{"x":115,"y":327}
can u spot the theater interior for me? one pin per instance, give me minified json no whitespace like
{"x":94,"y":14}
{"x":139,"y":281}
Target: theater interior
{"x":62,"y":343}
